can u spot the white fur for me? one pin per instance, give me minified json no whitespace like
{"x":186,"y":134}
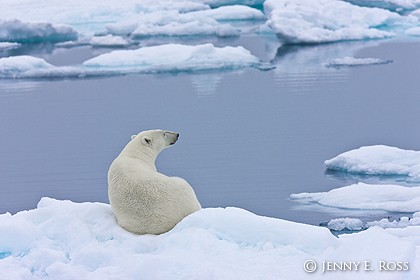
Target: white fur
{"x":144,"y":200}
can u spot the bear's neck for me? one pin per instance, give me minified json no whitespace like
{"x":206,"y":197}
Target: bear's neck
{"x":146,"y":156}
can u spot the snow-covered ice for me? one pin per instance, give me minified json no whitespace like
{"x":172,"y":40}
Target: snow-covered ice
{"x":154,"y":59}
{"x":66,"y":240}
{"x":319,"y":21}
{"x":391,"y":198}
{"x":377,"y":160}
{"x":349,"y":61}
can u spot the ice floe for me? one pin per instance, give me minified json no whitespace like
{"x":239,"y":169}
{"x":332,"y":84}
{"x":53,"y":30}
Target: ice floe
{"x":27,"y":32}
{"x":67,"y":240}
{"x":349,"y":61}
{"x":174,"y":57}
{"x":320,"y":21}
{"x":392,"y":198}
{"x":377,"y":160}
{"x":155,"y":59}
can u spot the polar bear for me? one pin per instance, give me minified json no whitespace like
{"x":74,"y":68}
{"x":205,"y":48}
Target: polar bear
{"x":145,"y":201}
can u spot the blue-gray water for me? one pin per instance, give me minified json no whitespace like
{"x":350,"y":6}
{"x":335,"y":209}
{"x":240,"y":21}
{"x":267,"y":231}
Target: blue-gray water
{"x":248,"y":139}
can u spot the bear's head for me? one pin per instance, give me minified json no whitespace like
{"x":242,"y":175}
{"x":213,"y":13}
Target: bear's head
{"x":155,"y":140}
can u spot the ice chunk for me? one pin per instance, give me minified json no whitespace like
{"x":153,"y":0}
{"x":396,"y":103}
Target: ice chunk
{"x":340,"y":224}
{"x":24,"y":32}
{"x":377,"y":160}
{"x":320,"y":21}
{"x":108,"y":41}
{"x":174,"y":57}
{"x":349,"y":61}
{"x":391,"y":198}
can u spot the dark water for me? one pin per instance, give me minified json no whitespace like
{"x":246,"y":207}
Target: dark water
{"x":248,"y":138}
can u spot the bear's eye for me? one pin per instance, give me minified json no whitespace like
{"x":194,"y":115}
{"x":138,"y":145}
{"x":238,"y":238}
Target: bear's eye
{"x":164,"y":134}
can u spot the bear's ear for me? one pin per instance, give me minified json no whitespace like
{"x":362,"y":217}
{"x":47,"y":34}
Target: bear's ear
{"x":133,"y":136}
{"x":147,"y":140}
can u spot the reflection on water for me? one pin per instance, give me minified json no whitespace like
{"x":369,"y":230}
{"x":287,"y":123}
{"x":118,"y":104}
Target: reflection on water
{"x":15,"y":87}
{"x":206,"y":84}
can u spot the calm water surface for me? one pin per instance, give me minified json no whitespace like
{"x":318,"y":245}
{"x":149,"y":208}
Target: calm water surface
{"x":248,"y":138}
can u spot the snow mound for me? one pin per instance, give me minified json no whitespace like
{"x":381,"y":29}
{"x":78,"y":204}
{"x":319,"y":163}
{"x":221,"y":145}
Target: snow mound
{"x":321,"y":21}
{"x":349,"y":61}
{"x":391,"y":198}
{"x":174,"y":57}
{"x":26,"y":32}
{"x":66,"y":240}
{"x":377,"y":160}
{"x":341,"y":224}
{"x":108,"y":41}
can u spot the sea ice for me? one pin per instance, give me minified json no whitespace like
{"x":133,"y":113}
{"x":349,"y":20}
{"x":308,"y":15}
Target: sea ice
{"x":150,"y":18}
{"x":173,"y":23}
{"x":26,"y":32}
{"x":154,"y":59}
{"x":391,"y":198}
{"x":66,"y":240}
{"x":173,"y":58}
{"x":349,"y":61}
{"x":377,"y":160}
{"x":320,"y":21}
